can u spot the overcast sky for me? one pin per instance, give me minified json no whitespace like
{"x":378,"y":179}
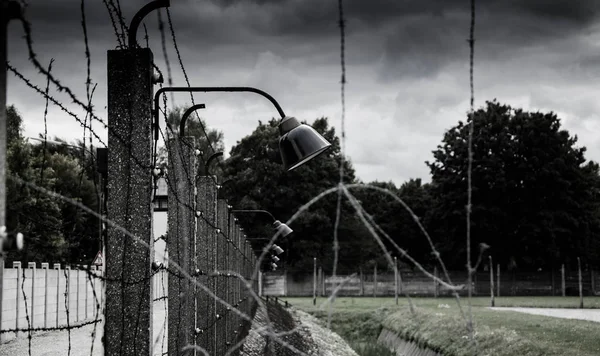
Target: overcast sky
{"x":406,"y":63}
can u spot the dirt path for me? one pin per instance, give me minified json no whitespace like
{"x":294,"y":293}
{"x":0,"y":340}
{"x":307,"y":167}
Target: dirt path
{"x":581,"y":314}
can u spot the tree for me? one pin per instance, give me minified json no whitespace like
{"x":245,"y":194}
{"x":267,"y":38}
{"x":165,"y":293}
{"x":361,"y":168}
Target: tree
{"x":55,"y":231}
{"x":535,"y":198}
{"x":396,"y":221}
{"x":256,"y":179}
{"x":197,"y":129}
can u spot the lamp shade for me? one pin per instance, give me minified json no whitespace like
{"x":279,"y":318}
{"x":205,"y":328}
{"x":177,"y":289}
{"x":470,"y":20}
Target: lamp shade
{"x":278,"y":250}
{"x":283,"y":229}
{"x":299,"y":143}
{"x":275,"y":258}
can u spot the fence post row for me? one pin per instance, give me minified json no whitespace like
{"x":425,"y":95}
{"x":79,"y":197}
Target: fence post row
{"x":128,"y":321}
{"x":206,"y":208}
{"x":181,"y":243}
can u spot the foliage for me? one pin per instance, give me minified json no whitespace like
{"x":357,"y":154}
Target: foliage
{"x":257,"y":180}
{"x":207,"y":140}
{"x":397,"y":221}
{"x":54,"y":230}
{"x":535,"y":198}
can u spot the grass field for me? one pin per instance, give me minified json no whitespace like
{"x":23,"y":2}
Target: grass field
{"x":438,"y":325}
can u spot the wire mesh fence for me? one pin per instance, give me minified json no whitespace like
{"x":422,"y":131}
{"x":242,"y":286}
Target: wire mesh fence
{"x":557,"y":282}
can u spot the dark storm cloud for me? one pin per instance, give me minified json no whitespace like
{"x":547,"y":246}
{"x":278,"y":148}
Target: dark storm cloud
{"x":419,"y":38}
{"x":433,"y":31}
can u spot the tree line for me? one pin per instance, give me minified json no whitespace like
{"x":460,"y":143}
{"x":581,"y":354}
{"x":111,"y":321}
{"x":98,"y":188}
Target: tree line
{"x":535,"y":203}
{"x":54,"y":230}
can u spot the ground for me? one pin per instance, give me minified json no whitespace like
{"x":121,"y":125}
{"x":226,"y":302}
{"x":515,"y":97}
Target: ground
{"x":323,"y":342}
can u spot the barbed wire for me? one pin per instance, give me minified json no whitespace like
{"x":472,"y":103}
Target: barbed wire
{"x":120,"y":41}
{"x":341,"y":189}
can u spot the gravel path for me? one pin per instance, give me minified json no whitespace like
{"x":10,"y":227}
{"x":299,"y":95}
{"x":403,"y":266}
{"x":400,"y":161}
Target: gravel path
{"x":319,"y":341}
{"x":581,"y":314}
{"x":327,"y":342}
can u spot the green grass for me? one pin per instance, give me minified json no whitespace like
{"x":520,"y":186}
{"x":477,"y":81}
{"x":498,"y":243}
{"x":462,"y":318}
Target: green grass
{"x":498,"y":333}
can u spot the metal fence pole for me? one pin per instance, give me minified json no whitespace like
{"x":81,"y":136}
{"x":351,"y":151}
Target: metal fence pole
{"x":181,"y":242}
{"x":562,"y":276}
{"x":128,"y":318}
{"x":314,"y":281}
{"x":580,"y":283}
{"x":206,"y":210}
{"x":396,"y":279}
{"x":492,"y":281}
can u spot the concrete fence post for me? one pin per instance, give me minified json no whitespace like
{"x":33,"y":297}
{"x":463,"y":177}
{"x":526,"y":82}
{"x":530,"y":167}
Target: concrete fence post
{"x":17,"y":265}
{"x":45,"y":268}
{"x":181,"y":241}
{"x":32,"y":267}
{"x":206,"y":211}
{"x":228,"y":279}
{"x":78,"y":284}
{"x":57,"y":269}
{"x":221,"y":282}
{"x":129,"y":256}
{"x":68,"y":282}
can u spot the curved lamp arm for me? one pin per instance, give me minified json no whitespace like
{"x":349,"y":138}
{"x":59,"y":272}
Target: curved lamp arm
{"x":163,"y":90}
{"x":139,"y":16}
{"x":209,"y":160}
{"x":186,"y":114}
{"x":255,"y":211}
